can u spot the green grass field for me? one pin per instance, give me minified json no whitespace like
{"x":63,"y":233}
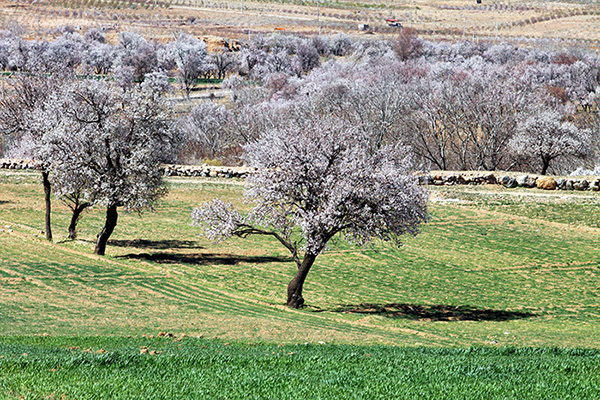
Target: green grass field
{"x":495,"y":269}
{"x":116,"y":368}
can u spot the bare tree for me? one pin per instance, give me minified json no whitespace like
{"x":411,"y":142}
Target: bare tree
{"x":190,"y":56}
{"x":485,"y":111}
{"x":341,"y":44}
{"x":429,"y":122}
{"x":407,"y":45}
{"x":495,"y":109}
{"x":222,"y":62}
{"x":544,"y":137}
{"x":306,"y":58}
{"x":317,"y":178}
{"x":206,"y":133}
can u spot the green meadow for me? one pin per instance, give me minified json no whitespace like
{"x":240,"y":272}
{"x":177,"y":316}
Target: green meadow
{"x":115,"y":368}
{"x":498,"y":297}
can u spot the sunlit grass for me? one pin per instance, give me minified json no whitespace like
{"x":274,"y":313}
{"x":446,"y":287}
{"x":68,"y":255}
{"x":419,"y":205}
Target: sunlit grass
{"x":487,"y":270}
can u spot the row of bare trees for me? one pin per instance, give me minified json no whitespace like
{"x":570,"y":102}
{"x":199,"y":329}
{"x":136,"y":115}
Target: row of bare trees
{"x":473,"y":115}
{"x":458,"y":105}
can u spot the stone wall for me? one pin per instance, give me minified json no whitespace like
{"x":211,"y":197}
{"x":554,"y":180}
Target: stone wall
{"x":513,"y":181}
{"x":169,"y":169}
{"x":207,"y":170}
{"x":444,"y":178}
{"x":6,"y":163}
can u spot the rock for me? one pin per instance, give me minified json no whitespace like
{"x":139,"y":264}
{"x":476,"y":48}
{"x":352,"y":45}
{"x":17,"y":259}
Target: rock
{"x":546,"y":183}
{"x":510,"y":183}
{"x":526,"y":181}
{"x":17,"y":164}
{"x":569,"y":184}
{"x":490,"y":179}
{"x":581,"y":184}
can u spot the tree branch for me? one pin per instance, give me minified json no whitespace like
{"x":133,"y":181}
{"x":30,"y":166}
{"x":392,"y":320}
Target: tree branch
{"x":245,"y":230}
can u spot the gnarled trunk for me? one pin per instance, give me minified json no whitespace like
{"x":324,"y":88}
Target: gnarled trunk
{"x":77,"y":210}
{"x":545,"y":164}
{"x":294,"y":291}
{"x":109,"y":227}
{"x":47,"y":192}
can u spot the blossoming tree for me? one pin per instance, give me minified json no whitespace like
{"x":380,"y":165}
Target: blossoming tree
{"x":107,"y":146}
{"x":318,"y":177}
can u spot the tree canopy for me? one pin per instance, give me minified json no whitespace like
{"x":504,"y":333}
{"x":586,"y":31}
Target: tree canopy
{"x":318,"y":177}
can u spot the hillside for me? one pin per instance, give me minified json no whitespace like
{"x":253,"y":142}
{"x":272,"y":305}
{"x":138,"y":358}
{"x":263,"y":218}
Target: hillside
{"x":493,"y":267}
{"x":553,"y":23}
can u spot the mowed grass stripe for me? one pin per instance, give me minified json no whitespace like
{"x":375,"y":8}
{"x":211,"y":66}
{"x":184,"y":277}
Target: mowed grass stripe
{"x":331,"y":321}
{"x":473,"y":249}
{"x":214,"y":301}
{"x":240,"y":306}
{"x":226,"y":304}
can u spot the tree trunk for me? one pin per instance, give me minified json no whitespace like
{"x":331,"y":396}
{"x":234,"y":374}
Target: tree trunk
{"x":294,"y":291}
{"x":545,"y":165}
{"x":77,"y":210}
{"x":47,"y":192}
{"x":109,"y":227}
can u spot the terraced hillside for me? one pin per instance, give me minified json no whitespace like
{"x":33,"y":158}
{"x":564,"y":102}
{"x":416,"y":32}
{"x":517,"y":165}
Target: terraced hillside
{"x":554,"y":23}
{"x":493,"y":267}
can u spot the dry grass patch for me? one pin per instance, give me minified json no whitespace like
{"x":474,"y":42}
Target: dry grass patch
{"x":445,"y":19}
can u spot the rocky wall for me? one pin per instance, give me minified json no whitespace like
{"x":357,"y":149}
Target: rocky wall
{"x":169,"y":169}
{"x":441,"y":179}
{"x":524,"y":180}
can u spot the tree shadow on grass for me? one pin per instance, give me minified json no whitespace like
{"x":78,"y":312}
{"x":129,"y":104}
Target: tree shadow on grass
{"x":156,"y":244}
{"x":436,"y":312}
{"x":203,"y":259}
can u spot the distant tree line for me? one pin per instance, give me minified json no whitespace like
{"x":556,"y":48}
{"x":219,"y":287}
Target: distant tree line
{"x":460,"y":105}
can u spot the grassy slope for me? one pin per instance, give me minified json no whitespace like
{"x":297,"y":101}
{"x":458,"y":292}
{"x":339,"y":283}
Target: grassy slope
{"x":497,"y":252}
